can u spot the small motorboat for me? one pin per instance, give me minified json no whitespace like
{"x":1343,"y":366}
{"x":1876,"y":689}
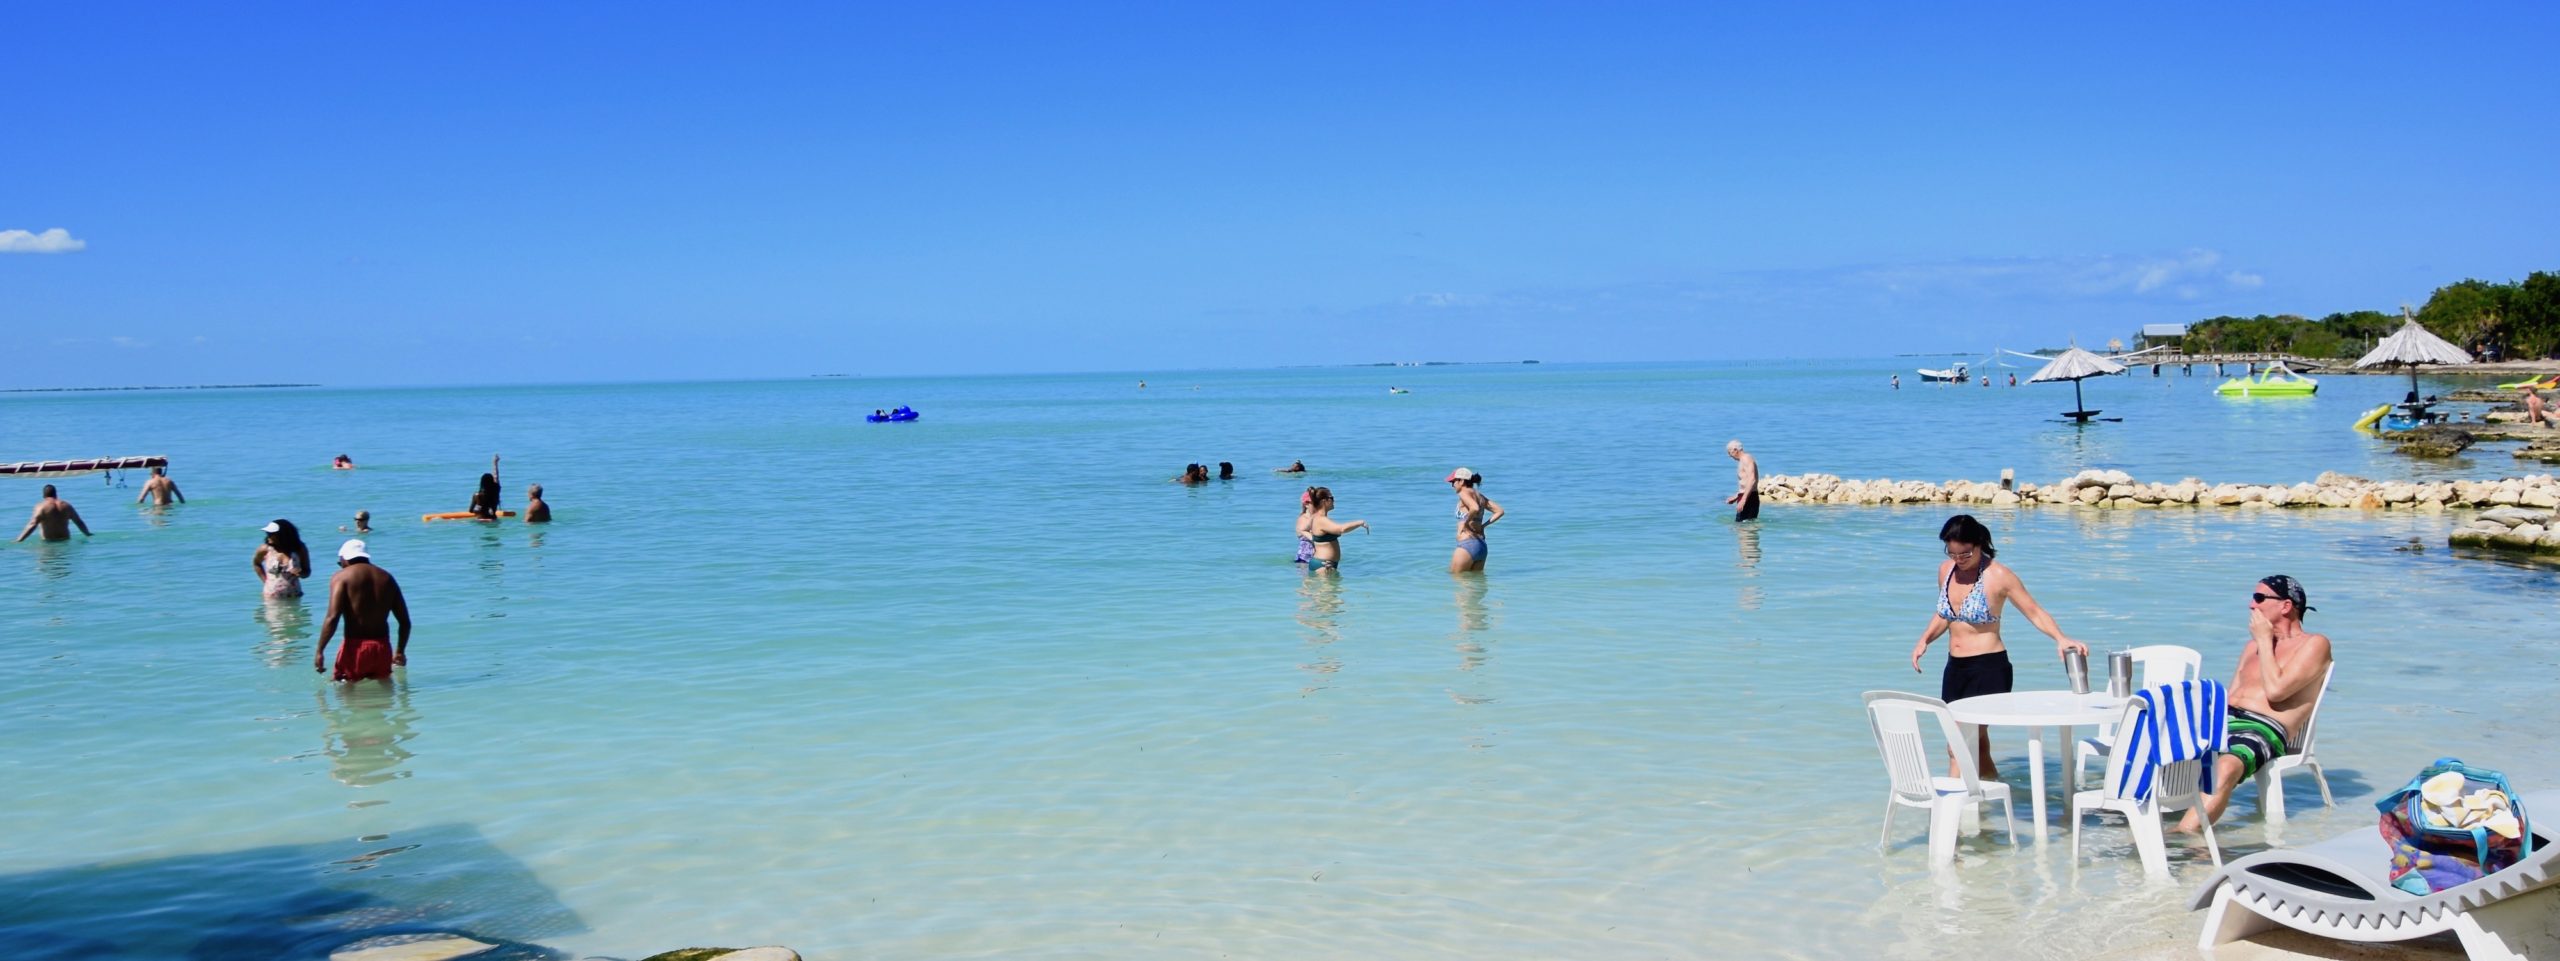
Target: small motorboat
{"x":898,"y":415}
{"x":1958,"y":373}
{"x":2277,"y":380}
{"x":1398,"y":390}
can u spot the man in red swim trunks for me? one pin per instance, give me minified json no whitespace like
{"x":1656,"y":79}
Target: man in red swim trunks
{"x":368,"y":598}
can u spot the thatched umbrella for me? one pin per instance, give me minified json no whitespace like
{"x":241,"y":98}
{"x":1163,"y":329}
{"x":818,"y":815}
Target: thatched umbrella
{"x":2076,"y":365}
{"x":2410,"y":346}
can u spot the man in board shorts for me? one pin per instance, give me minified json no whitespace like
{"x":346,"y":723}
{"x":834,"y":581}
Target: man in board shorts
{"x":2273,"y":693}
{"x":1746,"y":476}
{"x":367,"y":598}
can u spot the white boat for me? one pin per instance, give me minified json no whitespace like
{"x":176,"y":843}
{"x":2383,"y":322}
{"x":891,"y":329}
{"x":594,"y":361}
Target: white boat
{"x":1956,"y":373}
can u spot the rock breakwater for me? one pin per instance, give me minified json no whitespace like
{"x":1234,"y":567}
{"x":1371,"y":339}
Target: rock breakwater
{"x":2116,"y":489}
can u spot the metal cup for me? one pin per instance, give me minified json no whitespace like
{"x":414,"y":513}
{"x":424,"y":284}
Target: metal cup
{"x":2076,"y":666}
{"x":2119,"y":673}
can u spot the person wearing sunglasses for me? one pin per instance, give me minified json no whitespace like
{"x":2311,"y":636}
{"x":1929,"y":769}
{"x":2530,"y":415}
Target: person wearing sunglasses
{"x":1971,"y":589}
{"x":2273,"y":692}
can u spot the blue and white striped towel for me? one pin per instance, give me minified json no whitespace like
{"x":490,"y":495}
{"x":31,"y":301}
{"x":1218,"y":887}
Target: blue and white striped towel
{"x":2181,"y":720}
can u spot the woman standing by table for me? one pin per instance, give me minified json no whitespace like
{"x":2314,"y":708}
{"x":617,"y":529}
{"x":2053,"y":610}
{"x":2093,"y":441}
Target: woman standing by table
{"x":1971,"y":589}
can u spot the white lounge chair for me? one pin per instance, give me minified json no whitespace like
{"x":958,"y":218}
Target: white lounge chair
{"x":2173,"y":788}
{"x":2153,"y":665}
{"x":2271,"y":776}
{"x":2341,"y":889}
{"x":1895,"y":718}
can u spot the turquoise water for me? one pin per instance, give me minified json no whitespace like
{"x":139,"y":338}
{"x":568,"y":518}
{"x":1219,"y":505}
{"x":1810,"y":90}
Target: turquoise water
{"x":986,"y":685}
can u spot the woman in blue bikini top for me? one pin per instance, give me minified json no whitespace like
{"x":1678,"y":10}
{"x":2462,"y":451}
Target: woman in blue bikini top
{"x":1973,"y":623}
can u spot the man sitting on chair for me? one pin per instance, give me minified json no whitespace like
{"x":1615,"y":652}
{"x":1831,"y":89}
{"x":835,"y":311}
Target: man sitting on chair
{"x":2272,"y":694}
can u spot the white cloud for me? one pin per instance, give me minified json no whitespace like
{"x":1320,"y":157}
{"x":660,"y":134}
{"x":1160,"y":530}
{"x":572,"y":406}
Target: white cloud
{"x":55,"y":241}
{"x":128,"y":343}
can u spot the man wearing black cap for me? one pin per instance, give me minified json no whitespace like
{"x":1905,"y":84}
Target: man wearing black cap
{"x":2272,"y":694}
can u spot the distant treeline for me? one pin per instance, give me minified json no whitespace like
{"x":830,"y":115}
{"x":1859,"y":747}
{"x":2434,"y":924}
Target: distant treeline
{"x":2510,"y":320}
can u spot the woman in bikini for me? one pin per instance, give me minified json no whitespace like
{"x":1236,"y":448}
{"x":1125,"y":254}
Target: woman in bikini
{"x":1323,"y":532}
{"x":281,"y":561}
{"x":1475,"y":513}
{"x":1971,"y":588}
{"x":1306,"y":542}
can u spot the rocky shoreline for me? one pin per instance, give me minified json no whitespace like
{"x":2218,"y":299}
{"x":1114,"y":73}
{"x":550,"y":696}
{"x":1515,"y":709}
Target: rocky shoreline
{"x":2518,"y":508}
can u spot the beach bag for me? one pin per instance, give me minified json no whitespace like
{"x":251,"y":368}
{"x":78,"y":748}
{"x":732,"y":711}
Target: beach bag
{"x":2450,"y":825}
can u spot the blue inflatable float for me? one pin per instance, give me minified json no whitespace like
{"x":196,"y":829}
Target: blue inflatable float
{"x":900,"y":415}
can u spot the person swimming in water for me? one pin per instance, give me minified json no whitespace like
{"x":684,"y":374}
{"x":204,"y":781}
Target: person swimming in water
{"x":1325,"y":533}
{"x":1475,"y":513}
{"x":1971,"y":588}
{"x":1295,"y":467}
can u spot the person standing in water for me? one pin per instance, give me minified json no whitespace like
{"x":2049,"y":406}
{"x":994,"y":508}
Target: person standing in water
{"x":536,"y":511}
{"x":160,"y":488}
{"x":56,"y":517}
{"x":281,"y":560}
{"x":1475,"y":513}
{"x":1746,"y":474}
{"x":1971,"y":588}
{"x":1325,"y":533}
{"x":367,"y":598}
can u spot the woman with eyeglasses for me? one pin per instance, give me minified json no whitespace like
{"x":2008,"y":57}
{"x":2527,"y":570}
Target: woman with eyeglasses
{"x":1971,"y":589}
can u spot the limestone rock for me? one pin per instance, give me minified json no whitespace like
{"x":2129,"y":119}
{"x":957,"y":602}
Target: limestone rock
{"x":2528,"y":531}
{"x":2538,"y":497}
{"x":410,"y":947}
{"x":2432,"y":441}
{"x":2467,"y":537}
{"x":2512,"y":516}
{"x":2369,"y":500}
{"x":2277,"y":497}
{"x":2330,"y":478}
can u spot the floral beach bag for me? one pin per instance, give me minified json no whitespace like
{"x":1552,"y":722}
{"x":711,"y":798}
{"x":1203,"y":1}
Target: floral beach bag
{"x":2452,"y":824}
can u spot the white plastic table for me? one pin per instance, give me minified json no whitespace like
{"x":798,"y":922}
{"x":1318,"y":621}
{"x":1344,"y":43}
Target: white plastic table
{"x":2035,"y":711}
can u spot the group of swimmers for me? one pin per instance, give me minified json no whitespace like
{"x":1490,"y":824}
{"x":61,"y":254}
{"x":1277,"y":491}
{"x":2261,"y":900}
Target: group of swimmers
{"x":362,"y":595}
{"x":2269,"y":699}
{"x":1320,"y":536}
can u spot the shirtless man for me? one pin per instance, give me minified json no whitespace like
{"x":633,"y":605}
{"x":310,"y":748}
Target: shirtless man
{"x":160,"y":488}
{"x":535,"y":511}
{"x":56,"y":517}
{"x":2273,"y":693}
{"x":1746,"y":474}
{"x":2533,"y":415}
{"x":367,"y":598}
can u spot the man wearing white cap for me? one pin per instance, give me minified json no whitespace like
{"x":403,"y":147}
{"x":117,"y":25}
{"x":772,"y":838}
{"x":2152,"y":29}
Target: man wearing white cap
{"x":368,"y":598}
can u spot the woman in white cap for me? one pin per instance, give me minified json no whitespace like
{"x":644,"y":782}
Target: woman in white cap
{"x":1475,"y":513}
{"x":281,"y":562}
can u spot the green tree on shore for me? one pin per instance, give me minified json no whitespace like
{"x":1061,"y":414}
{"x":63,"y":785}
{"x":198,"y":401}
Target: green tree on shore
{"x":2510,"y":320}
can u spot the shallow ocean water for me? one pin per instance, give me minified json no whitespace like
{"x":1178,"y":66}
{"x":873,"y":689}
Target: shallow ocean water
{"x":986,"y":685}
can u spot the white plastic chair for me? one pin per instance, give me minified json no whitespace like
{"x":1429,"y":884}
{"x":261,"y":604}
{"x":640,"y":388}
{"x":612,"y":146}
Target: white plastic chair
{"x":2173,"y":788}
{"x":1896,"y":719}
{"x":2153,"y":665}
{"x":2271,"y":776}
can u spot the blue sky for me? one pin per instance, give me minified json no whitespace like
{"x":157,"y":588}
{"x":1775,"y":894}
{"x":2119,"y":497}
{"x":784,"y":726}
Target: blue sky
{"x":465,"y":193}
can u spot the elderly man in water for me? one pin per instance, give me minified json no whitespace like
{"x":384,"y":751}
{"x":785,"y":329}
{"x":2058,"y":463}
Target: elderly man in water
{"x":1746,"y":475}
{"x":2271,"y":697}
{"x":56,"y":517}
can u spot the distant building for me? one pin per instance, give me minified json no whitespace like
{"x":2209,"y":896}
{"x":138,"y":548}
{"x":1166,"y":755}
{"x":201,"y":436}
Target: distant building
{"x":2156,"y":335}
